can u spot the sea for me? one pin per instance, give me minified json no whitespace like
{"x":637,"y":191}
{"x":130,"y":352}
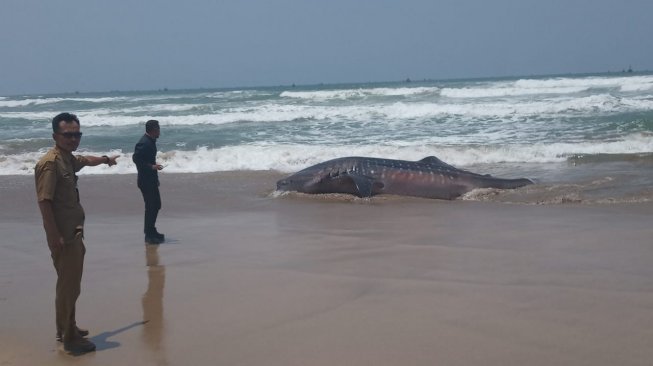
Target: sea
{"x":581,"y":138}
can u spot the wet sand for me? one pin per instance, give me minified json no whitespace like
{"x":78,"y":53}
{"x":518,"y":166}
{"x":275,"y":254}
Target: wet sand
{"x":250,"y":279}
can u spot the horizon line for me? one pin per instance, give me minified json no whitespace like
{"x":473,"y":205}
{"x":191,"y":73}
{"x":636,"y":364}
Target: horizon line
{"x":294,"y":85}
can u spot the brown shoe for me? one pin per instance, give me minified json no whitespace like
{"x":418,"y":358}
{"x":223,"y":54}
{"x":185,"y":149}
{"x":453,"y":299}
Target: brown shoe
{"x":79,"y":346}
{"x":80,"y":331}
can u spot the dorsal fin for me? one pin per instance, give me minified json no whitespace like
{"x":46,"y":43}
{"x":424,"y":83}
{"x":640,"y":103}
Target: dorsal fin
{"x":432,"y":160}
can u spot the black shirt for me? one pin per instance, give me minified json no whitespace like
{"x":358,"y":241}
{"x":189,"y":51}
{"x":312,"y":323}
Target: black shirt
{"x":144,"y":157}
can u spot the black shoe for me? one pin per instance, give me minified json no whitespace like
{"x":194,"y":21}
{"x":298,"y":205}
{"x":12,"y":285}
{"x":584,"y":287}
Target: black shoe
{"x":153,"y":240}
{"x":79,"y":346}
{"x":81,"y":332}
{"x":159,"y":236}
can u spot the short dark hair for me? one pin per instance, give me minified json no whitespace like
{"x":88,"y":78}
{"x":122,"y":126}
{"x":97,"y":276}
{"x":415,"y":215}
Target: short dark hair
{"x":151,"y":125}
{"x":66,"y":117}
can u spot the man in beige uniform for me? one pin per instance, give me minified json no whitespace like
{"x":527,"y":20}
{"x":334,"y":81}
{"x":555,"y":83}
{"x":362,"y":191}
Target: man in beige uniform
{"x":63,"y":220}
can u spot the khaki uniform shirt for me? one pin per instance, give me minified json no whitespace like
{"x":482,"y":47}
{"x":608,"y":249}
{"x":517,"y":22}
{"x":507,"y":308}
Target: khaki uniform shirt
{"x":56,"y":181}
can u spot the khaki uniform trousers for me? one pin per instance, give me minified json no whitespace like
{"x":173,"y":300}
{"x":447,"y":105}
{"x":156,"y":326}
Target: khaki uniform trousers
{"x":69,"y":264}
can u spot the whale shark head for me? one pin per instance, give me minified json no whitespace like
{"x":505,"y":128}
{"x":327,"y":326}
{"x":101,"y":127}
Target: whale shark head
{"x":305,"y":180}
{"x":333,"y":176}
{"x":297,"y":182}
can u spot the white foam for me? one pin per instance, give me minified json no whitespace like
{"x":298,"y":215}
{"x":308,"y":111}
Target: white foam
{"x":34,"y":101}
{"x":357,"y":93}
{"x":507,"y":91}
{"x":239,"y":94}
{"x":26,"y":102}
{"x":558,"y":97}
{"x":30,"y":116}
{"x":588,"y":82}
{"x":41,"y":101}
{"x":402,"y":111}
{"x":603,"y":103}
{"x":549,"y":86}
{"x":289,"y":158}
{"x":158,"y":108}
{"x":273,"y":112}
{"x":637,"y":87}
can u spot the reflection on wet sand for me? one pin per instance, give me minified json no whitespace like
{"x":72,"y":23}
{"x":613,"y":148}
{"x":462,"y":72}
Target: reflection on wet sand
{"x":153,"y":303}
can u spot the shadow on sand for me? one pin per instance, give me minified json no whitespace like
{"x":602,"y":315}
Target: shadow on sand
{"x":102,"y":341}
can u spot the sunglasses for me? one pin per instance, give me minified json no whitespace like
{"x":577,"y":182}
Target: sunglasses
{"x":70,"y":135}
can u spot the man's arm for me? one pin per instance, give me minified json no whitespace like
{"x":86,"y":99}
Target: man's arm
{"x":52,"y":234}
{"x":97,"y":160}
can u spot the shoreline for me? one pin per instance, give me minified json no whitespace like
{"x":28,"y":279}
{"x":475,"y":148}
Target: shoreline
{"x":250,"y":278}
{"x":587,"y":190}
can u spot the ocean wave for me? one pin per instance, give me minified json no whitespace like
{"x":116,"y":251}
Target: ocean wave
{"x":638,"y":87}
{"x":159,"y":108}
{"x":40,"y":101}
{"x":288,"y":158}
{"x":558,"y":107}
{"x":357,"y":93}
{"x":550,"y":86}
{"x":507,"y":91}
{"x":641,"y":157}
{"x":35,"y":101}
{"x":231,"y":95}
{"x":262,"y":113}
{"x":26,"y":102}
{"x":588,"y":82}
{"x":600,"y":104}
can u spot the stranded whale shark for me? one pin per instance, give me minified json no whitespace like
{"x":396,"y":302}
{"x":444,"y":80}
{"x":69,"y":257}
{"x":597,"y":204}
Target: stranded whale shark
{"x":366,"y":177}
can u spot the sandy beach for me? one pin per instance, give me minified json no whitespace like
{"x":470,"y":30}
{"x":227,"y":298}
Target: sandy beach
{"x":250,"y":278}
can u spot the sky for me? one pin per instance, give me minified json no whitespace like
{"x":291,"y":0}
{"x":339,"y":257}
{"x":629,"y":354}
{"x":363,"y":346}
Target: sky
{"x":102,"y":45}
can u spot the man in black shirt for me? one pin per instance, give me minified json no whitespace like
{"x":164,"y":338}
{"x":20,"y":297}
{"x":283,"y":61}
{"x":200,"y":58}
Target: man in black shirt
{"x":148,"y":179}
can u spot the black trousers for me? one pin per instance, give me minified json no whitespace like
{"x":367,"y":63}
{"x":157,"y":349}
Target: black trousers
{"x":152,"y":199}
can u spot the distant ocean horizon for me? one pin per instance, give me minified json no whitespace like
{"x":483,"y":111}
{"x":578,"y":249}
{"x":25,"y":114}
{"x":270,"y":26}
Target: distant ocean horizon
{"x":623,"y":72}
{"x":555,"y":129}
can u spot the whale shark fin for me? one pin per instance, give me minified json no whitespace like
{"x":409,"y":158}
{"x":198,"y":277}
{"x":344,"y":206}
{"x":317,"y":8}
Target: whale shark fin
{"x":432,"y":160}
{"x":364,"y":184}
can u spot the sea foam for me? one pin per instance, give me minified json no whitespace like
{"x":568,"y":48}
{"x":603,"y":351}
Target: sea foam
{"x":289,"y":158}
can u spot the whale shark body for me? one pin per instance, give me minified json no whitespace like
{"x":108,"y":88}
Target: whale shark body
{"x":366,"y":177}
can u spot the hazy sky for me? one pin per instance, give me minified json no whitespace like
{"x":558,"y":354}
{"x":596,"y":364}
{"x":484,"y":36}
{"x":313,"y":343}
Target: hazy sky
{"x":92,"y":45}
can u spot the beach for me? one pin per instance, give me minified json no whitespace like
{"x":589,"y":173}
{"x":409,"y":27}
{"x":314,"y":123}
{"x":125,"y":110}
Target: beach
{"x":250,"y":277}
